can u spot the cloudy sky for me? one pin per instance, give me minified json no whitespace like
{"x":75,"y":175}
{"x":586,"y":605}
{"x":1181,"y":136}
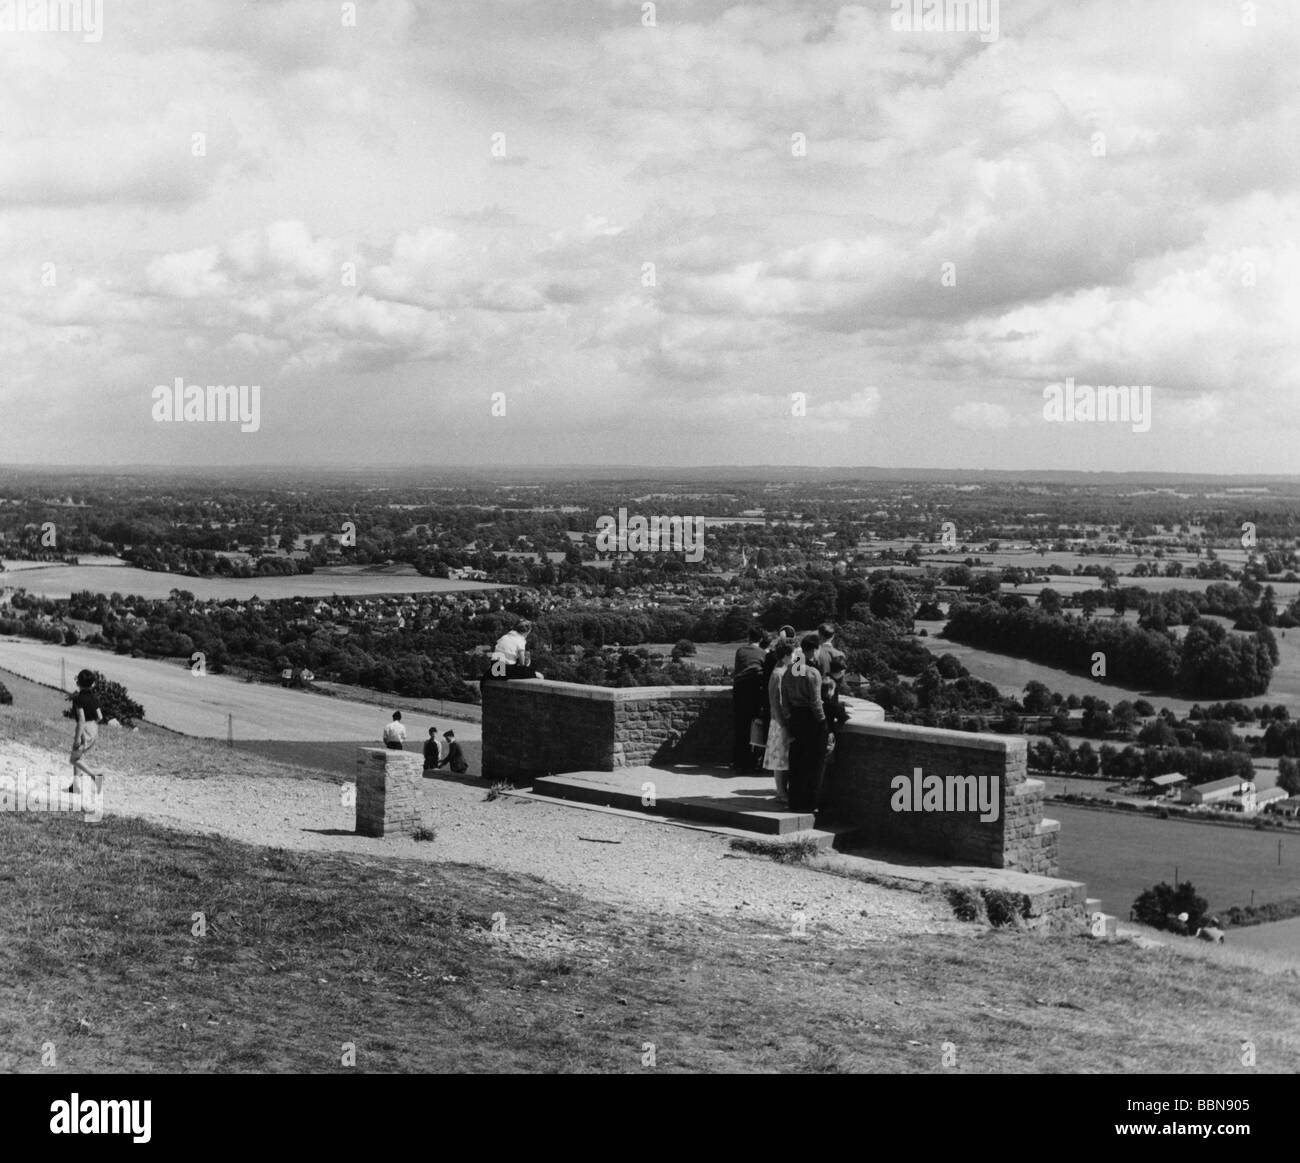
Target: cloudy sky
{"x":383,"y":220}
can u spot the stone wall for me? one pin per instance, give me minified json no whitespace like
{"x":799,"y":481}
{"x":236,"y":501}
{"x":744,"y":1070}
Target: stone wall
{"x":389,"y":791}
{"x":859,"y":790}
{"x":535,"y":727}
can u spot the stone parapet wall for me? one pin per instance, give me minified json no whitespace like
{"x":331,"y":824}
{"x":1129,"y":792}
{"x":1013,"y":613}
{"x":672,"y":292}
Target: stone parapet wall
{"x":859,"y":790}
{"x":535,"y":727}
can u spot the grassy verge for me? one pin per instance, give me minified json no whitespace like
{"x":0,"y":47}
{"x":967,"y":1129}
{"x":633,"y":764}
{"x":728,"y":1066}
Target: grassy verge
{"x":1239,"y":916}
{"x":304,"y":953}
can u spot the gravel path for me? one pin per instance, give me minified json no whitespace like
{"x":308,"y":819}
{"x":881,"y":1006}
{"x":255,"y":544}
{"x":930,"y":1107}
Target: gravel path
{"x":616,"y":859}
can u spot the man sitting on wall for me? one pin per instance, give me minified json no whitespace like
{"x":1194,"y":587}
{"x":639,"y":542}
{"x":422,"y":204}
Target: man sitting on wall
{"x":395,"y":734}
{"x":511,"y":657}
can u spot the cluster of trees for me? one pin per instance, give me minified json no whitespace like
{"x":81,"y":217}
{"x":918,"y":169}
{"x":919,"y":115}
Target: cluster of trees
{"x":1157,"y":905}
{"x":1053,"y":753}
{"x":114,"y":702}
{"x":1207,"y":662}
{"x":206,"y":563}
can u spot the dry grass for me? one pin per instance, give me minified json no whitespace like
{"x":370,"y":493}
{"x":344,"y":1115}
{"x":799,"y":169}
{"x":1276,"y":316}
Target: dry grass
{"x":456,"y":968}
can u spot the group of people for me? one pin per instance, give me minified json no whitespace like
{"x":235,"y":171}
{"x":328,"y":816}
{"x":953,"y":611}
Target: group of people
{"x":786,"y":704}
{"x":437,"y":753}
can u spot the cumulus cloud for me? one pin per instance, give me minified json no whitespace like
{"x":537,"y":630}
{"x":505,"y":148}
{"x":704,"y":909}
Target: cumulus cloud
{"x":742,"y":201}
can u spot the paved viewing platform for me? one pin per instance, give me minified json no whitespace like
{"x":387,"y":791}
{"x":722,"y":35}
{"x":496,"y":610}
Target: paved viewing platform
{"x":663,"y":752}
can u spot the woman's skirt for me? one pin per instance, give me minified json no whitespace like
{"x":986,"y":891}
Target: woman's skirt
{"x":776,"y":757}
{"x":90,"y":736}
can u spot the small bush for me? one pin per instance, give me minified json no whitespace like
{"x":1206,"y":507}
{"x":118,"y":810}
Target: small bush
{"x":423,"y":833}
{"x":497,"y":790}
{"x":967,"y":904}
{"x":1005,"y":908}
{"x":6,"y":699}
{"x":1156,"y":905}
{"x":782,"y":851}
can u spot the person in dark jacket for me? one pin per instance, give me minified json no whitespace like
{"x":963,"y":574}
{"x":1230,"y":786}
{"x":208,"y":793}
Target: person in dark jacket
{"x":747,"y":696}
{"x":801,"y":695}
{"x":432,"y":750}
{"x":455,"y":758}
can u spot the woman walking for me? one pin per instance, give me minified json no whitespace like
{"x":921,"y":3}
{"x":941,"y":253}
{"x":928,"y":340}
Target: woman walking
{"x":85,"y":708}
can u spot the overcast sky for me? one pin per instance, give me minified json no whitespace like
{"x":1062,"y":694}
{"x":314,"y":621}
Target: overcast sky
{"x":136,"y":252}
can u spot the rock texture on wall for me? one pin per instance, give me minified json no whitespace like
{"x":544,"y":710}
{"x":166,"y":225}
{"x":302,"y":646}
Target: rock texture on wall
{"x":389,"y":792}
{"x":859,"y":789}
{"x":534,"y":728}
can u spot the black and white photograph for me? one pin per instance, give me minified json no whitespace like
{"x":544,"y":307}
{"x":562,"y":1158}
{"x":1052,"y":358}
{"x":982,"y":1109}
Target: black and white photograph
{"x":694,"y":537}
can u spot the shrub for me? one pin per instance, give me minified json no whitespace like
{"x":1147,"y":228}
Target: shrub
{"x":114,"y":702}
{"x":423,"y":833}
{"x":967,"y":905}
{"x":1154,"y":906}
{"x":1005,"y":908}
{"x":5,"y":697}
{"x":782,"y":851}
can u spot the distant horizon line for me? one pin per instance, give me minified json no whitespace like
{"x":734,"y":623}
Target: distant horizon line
{"x":481,"y":470}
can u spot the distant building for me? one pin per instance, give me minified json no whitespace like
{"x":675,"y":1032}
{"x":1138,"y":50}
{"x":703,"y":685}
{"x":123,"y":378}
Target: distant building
{"x":1272,"y":795}
{"x":1168,"y":785}
{"x":1290,"y":808}
{"x":1232,"y":793}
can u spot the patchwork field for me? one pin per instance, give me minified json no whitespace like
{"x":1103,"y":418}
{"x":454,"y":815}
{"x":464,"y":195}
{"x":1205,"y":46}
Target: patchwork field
{"x":1118,"y":855}
{"x":61,"y":581}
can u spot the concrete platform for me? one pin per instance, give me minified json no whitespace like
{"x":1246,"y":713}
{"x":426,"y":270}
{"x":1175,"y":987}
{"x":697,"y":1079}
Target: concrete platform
{"x":705,"y":795}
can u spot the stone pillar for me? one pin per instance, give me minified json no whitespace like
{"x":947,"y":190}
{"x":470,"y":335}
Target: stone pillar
{"x":389,"y":791}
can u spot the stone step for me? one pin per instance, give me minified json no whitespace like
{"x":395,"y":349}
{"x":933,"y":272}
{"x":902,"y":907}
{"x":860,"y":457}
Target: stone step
{"x":709,"y":802}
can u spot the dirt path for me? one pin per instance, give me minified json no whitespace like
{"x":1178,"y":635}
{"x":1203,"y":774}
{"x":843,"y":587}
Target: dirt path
{"x":616,"y":859}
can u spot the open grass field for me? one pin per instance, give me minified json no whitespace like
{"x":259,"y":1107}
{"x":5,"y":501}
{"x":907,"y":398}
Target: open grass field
{"x":707,"y":654}
{"x":305,"y":954}
{"x":1118,"y":855}
{"x":1274,"y":937}
{"x":61,"y":581}
{"x":173,"y":697}
{"x":1010,"y":674}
